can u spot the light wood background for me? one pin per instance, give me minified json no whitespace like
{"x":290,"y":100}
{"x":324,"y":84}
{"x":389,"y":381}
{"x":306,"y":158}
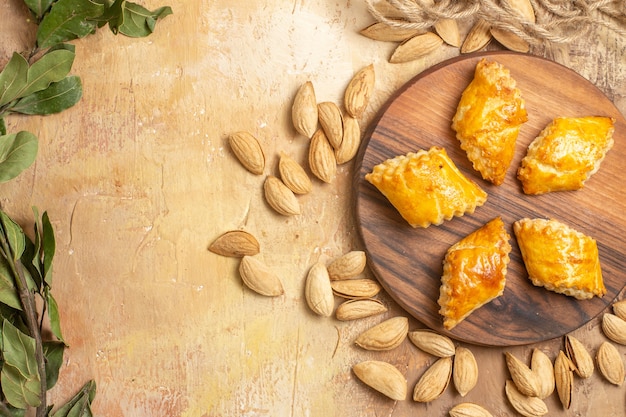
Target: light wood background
{"x":138,"y":180}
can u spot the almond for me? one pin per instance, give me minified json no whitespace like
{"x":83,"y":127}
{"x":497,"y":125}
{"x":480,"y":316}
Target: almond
{"x":347,"y":266}
{"x":477,"y":38}
{"x":351,"y":140}
{"x":465,"y":371}
{"x":259,"y":278}
{"x":322,"y":161}
{"x":619,"y":309}
{"x":525,"y":380}
{"x":331,"y":120}
{"x":381,"y":31}
{"x":359,"y":90}
{"x":614,"y":328}
{"x":383,"y":377}
{"x":317,"y":291}
{"x":280,"y":197}
{"x":448,"y":30}
{"x":432,"y":342}
{"x":235,"y":243}
{"x":541,"y":365}
{"x":248,"y":151}
{"x":580,"y":357}
{"x":610,"y":363}
{"x":524,"y":8}
{"x":355,"y":288}
{"x":384,"y":336}
{"x":564,"y":377}
{"x":434,"y":381}
{"x":416,"y":47}
{"x":293,"y":175}
{"x":469,"y":410}
{"x":358,"y":309}
{"x":525,"y":405}
{"x":304,"y":110}
{"x":510,"y":40}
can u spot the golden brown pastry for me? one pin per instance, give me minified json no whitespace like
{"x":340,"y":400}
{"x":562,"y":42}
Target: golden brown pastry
{"x":560,"y":258}
{"x":474,"y":272}
{"x":565,"y":154}
{"x":488,"y":120}
{"x":426,"y":187}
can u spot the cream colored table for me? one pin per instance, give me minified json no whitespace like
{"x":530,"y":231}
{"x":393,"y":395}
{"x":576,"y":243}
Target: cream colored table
{"x":138,"y":179}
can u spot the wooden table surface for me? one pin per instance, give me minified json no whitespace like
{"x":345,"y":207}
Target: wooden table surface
{"x":138,"y":180}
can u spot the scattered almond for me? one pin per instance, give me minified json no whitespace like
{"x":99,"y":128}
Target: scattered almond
{"x":524,"y":8}
{"x":610,"y":363}
{"x":434,"y":381}
{"x":432,"y":342}
{"x":280,"y":197}
{"x":358,"y":92}
{"x":358,"y":309}
{"x":351,"y":140}
{"x":619,"y":309}
{"x":448,"y":30}
{"x":510,"y":40}
{"x":322,"y":160}
{"x":477,"y":38}
{"x":347,"y":266}
{"x":259,"y":278}
{"x":331,"y":120}
{"x":304,"y":110}
{"x":541,"y":365}
{"x":384,"y":336}
{"x":465,"y":371}
{"x":381,"y":31}
{"x":416,"y":47}
{"x":580,"y":357}
{"x":383,"y":377}
{"x":235,"y":243}
{"x":317,"y":291}
{"x":469,"y":410}
{"x":525,"y":380}
{"x":564,"y":377}
{"x":614,"y":328}
{"x":293,"y":175}
{"x":248,"y":151}
{"x":525,"y":405}
{"x":355,"y":288}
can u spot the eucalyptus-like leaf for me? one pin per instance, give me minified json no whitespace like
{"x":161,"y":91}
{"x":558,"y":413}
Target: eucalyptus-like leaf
{"x":19,"y":376}
{"x":13,"y":78}
{"x":113,"y":15}
{"x":17,"y":152}
{"x":80,"y":404}
{"x":57,"y":97}
{"x":38,"y":7}
{"x":51,"y":67}
{"x":68,"y":20}
{"x":53,"y":352}
{"x":49,"y":247}
{"x":138,"y":21}
{"x":13,"y":235}
{"x":8,"y":290}
{"x":53,"y":315}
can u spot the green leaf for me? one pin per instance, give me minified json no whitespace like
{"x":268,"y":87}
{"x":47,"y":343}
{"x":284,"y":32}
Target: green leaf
{"x":51,"y":67}
{"x":58,"y":97}
{"x":53,"y":352}
{"x":38,"y":7}
{"x":113,"y":15}
{"x":19,"y":376}
{"x":17,"y":152}
{"x":3,"y":127}
{"x":13,"y":78}
{"x":8,"y":291}
{"x":53,"y":315}
{"x":14,"y":236}
{"x":80,"y":404}
{"x":68,"y":20}
{"x":138,"y":21}
{"x":49,"y":247}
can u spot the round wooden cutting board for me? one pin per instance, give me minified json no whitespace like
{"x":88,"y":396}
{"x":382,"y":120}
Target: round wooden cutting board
{"x":408,"y":261}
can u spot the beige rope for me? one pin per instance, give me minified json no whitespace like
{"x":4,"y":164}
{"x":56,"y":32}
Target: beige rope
{"x":557,"y":21}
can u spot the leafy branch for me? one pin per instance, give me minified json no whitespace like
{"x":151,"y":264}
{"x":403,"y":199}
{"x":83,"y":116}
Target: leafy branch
{"x":40,"y":84}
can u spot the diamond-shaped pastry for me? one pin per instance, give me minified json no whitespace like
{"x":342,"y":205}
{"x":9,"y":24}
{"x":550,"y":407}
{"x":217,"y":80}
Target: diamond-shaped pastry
{"x":488,"y":120}
{"x":426,"y":187}
{"x":560,"y":258}
{"x":565,"y":154}
{"x":474,"y":272}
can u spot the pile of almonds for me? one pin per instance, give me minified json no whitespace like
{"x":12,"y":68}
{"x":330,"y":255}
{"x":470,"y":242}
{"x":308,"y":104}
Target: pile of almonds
{"x":416,"y":43}
{"x":335,"y":137}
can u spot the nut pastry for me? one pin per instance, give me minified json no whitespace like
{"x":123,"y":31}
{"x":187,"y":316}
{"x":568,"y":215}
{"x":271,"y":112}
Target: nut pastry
{"x":565,"y":154}
{"x":488,"y":120}
{"x":474,"y":272}
{"x":560,"y":258}
{"x":426,"y":187}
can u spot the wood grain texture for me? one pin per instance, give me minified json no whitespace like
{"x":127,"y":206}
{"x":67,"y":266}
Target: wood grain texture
{"x":408,"y":261}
